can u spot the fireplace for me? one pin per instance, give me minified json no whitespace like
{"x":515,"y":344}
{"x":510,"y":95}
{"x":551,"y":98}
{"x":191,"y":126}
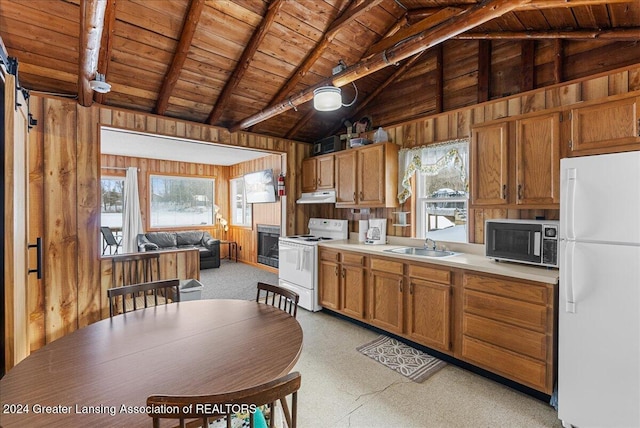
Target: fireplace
{"x":268,"y":244}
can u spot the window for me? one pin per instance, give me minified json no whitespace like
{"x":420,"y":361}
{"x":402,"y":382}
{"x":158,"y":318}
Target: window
{"x":181,"y":201}
{"x":111,"y":199}
{"x":240,"y":209}
{"x":441,"y":190}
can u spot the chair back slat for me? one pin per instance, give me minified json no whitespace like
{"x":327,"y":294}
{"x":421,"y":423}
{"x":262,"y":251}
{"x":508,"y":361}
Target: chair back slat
{"x":279,"y":297}
{"x":266,"y":394}
{"x":158,"y":292}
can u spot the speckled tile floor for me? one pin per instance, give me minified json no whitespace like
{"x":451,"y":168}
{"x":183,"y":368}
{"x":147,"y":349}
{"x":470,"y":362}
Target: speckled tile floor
{"x":343,"y":388}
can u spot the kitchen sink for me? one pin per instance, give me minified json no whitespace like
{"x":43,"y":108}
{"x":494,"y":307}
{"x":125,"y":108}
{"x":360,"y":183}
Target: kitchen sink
{"x":421,"y":251}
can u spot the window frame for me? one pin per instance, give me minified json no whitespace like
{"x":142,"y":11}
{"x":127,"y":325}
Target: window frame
{"x":247,"y":208}
{"x":422,"y":201}
{"x":151,"y":176}
{"x":113,"y":177}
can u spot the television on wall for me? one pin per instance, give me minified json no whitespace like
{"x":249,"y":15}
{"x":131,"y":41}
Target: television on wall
{"x":260,"y":187}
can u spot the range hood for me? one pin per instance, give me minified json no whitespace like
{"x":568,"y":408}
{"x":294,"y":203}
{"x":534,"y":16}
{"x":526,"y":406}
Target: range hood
{"x":324,"y":197}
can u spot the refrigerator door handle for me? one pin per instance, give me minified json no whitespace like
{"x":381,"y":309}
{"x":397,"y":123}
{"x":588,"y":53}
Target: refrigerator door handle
{"x":571,"y":202}
{"x":567,"y":278}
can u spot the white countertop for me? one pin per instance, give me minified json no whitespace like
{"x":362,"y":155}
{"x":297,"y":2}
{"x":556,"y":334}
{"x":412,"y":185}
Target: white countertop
{"x":463,"y":260}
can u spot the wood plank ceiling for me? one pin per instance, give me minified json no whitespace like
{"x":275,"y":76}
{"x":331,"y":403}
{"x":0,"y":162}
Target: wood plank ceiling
{"x":253,"y":64}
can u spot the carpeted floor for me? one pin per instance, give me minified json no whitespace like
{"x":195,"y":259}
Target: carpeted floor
{"x":234,"y":281}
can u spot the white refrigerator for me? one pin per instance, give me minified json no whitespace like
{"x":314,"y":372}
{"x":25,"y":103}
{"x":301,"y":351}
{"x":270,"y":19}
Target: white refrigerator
{"x":599,"y":309}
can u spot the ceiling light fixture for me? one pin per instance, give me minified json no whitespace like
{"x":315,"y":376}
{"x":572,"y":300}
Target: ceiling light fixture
{"x":99,"y":85}
{"x":329,"y":98}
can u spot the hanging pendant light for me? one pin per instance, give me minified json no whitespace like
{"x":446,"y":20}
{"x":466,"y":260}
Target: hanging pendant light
{"x":327,"y":98}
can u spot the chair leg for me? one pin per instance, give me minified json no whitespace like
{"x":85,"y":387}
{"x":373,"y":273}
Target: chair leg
{"x":285,"y":409}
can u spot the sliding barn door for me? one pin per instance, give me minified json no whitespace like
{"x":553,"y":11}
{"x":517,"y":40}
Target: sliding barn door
{"x":16,"y":321}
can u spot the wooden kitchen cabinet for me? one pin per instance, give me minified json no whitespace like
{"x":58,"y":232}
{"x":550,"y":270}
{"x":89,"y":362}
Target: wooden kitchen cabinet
{"x":508,"y":328}
{"x":386,"y":291}
{"x":522,"y":173}
{"x":538,"y":160}
{"x":429,"y":307}
{"x":489,"y":164}
{"x":345,"y":172}
{"x":367,"y":176}
{"x":329,"y":279}
{"x":342,"y":282}
{"x":353,"y":285}
{"x":317,"y":173}
{"x":609,"y":127}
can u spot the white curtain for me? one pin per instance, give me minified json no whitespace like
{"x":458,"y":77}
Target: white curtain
{"x":131,"y":217}
{"x":431,"y":160}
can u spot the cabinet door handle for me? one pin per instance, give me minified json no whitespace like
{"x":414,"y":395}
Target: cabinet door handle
{"x":344,"y":272}
{"x":361,"y":195}
{"x":411,"y":288}
{"x":400,"y":283}
{"x":519,"y":191}
{"x":504,"y":191}
{"x":354,"y":196}
{"x":335,"y":270}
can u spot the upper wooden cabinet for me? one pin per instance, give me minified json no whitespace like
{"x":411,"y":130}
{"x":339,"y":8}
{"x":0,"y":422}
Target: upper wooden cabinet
{"x":609,"y":127}
{"x":516,"y":162}
{"x":489,"y":164}
{"x":538,"y":160}
{"x":367,"y":176}
{"x":318,"y":173}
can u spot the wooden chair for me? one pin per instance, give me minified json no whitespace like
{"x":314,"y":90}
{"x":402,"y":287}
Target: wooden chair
{"x":137,"y":296}
{"x":109,"y":240}
{"x":279,"y":297}
{"x":204,"y":408}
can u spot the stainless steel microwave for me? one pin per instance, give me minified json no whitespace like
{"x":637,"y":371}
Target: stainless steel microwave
{"x":533,"y":242}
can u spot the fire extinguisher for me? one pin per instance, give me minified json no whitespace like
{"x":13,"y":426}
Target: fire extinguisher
{"x":281,"y":188}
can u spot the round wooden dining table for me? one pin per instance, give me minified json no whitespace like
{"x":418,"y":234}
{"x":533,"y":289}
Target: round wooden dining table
{"x":102,"y":374}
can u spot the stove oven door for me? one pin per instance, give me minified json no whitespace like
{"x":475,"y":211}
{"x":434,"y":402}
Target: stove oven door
{"x":297,"y":271}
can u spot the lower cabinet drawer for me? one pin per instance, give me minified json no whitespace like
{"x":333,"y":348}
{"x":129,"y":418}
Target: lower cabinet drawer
{"x":524,"y":370}
{"x":520,"y":340}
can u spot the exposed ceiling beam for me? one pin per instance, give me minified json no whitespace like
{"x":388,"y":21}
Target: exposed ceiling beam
{"x":348,"y":16}
{"x":414,"y":29}
{"x":475,"y":16}
{"x":107,"y":44}
{"x":91,"y":24}
{"x":619,"y":34}
{"x":244,"y":61}
{"x":556,"y":4}
{"x":186,"y":37}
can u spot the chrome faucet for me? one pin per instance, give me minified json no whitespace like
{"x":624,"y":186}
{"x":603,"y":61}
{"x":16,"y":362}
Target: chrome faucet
{"x":429,"y":244}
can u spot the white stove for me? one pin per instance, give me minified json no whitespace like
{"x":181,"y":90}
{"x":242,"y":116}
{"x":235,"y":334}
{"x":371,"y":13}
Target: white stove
{"x":298,"y":258}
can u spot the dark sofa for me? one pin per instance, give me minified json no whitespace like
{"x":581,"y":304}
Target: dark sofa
{"x":208,"y":246}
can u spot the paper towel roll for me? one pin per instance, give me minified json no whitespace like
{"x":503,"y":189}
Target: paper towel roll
{"x":363,"y":225}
